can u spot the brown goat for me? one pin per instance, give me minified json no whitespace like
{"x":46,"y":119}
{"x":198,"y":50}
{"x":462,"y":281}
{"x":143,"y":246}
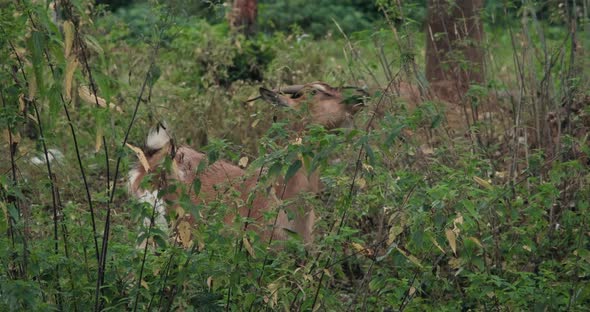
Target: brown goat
{"x":325,"y":105}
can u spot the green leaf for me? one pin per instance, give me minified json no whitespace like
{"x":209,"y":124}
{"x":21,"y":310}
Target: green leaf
{"x":194,"y":210}
{"x":436,"y":121}
{"x":154,"y":75}
{"x":213,"y":155}
{"x":37,"y":45}
{"x":160,"y":241}
{"x":54,"y":97}
{"x":293,"y":168}
{"x":370,"y":154}
{"x":197,"y":186}
{"x":104,"y":85}
{"x":275,"y":169}
{"x":13,"y":212}
{"x":202,"y":166}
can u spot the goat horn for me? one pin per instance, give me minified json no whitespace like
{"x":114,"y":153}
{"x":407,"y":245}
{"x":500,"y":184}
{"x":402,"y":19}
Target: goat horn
{"x":319,"y":86}
{"x":287,"y":90}
{"x":291,"y":89}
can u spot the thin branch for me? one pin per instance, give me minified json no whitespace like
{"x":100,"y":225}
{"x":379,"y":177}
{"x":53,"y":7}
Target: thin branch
{"x":54,"y":201}
{"x":105,"y":240}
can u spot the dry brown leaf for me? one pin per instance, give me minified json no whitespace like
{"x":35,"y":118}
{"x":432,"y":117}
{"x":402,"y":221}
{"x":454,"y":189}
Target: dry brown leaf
{"x":397,"y":221}
{"x":7,"y":137}
{"x":21,"y":103}
{"x":175,"y":169}
{"x":452,"y":238}
{"x":88,"y":96}
{"x":476,"y":241}
{"x":482,"y":182}
{"x":367,"y":252}
{"x":273,"y":289}
{"x":243,"y":162}
{"x":427,"y":150}
{"x":393,"y":233}
{"x":361,"y":183}
{"x":308,"y":277}
{"x":410,"y":257}
{"x":98,"y":140}
{"x":200,"y":242}
{"x":357,"y":247}
{"x":255,"y":123}
{"x":249,"y":248}
{"x":141,"y":156}
{"x":68,"y":29}
{"x":455,"y":263}
{"x":144,"y":284}
{"x":456,"y":221}
{"x":4,"y":210}
{"x":437,"y":245}
{"x":501,"y":174}
{"x":69,"y":76}
{"x":32,"y":87}
{"x":184,"y":232}
{"x":179,"y":211}
{"x":367,"y":167}
{"x":33,"y":118}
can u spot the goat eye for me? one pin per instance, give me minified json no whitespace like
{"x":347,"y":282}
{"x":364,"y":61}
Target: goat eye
{"x":297,"y":95}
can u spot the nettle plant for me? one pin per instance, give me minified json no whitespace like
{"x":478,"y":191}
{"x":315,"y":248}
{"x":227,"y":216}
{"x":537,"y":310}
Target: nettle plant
{"x":409,"y":216}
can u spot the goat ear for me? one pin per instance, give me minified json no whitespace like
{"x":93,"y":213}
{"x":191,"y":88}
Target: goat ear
{"x":273,"y":97}
{"x":158,"y":137}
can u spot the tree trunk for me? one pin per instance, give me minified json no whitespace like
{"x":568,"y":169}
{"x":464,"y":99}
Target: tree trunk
{"x":242,"y":17}
{"x":454,"y":55}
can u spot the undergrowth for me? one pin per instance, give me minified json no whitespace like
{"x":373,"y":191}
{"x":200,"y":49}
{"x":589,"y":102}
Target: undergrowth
{"x":417,"y":211}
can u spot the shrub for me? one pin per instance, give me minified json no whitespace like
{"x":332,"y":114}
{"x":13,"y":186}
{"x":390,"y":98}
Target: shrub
{"x":317,"y":17}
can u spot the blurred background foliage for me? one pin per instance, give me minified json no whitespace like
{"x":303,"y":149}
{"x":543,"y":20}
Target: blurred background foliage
{"x":213,"y":58}
{"x":316,"y":18}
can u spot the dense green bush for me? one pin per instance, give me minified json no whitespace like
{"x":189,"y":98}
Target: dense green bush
{"x":215,"y":56}
{"x":551,"y":12}
{"x":412,"y":216}
{"x":317,"y":18}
